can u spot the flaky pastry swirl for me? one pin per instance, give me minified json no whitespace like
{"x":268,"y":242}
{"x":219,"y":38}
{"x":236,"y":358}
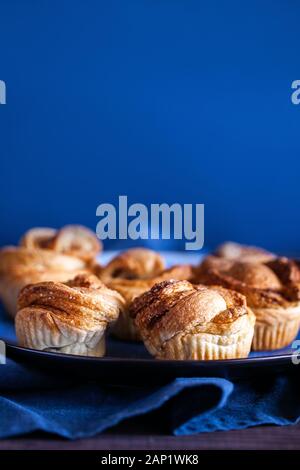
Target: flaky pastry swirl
{"x":276,"y":283}
{"x":178,"y":320}
{"x":136,"y":263}
{"x":272,"y":291}
{"x":20,"y":266}
{"x":73,"y":240}
{"x":67,"y":317}
{"x":132,"y":288}
{"x":237,"y":252}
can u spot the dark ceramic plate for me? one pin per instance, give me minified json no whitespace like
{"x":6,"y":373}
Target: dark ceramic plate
{"x":125,"y":361}
{"x":130,"y":361}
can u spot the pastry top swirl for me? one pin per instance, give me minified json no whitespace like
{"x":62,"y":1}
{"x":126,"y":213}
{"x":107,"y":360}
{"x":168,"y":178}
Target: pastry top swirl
{"x":16,"y":261}
{"x":136,"y":263}
{"x":73,"y":240}
{"x":274,"y":283}
{"x":177,"y":307}
{"x":131,"y":288}
{"x":237,"y":252}
{"x":83,"y":302}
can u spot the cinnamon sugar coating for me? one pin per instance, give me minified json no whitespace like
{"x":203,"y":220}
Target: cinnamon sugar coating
{"x":68,"y":317}
{"x":177,"y":319}
{"x":276,"y":282}
{"x":136,"y":263}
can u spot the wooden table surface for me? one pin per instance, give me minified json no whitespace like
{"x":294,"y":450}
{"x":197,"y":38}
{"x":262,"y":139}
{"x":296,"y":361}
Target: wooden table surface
{"x":133,"y":437}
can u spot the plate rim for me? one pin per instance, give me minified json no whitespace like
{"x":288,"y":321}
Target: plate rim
{"x":282,"y":358}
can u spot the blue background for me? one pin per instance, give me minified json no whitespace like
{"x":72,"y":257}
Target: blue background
{"x":164,"y":101}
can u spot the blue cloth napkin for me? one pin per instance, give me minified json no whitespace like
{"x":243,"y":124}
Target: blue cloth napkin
{"x":31,"y":400}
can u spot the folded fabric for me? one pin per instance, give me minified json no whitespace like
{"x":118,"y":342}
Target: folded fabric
{"x":31,"y":400}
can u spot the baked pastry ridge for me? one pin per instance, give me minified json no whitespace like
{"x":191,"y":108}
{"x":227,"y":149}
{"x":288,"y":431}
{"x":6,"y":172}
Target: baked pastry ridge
{"x":178,"y":320}
{"x":20,"y":266}
{"x":124,"y":328}
{"x":272,"y":290}
{"x":67,"y":317}
{"x":136,"y":263}
{"x":73,"y":240}
{"x":238,"y":252}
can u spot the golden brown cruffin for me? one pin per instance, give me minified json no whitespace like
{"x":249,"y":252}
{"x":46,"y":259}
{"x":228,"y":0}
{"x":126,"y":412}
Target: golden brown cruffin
{"x":237,"y":252}
{"x":73,"y":240}
{"x":20,"y":266}
{"x":272,"y":290}
{"x":124,"y":328}
{"x":136,"y":263}
{"x":179,"y":320}
{"x":69,"y":317}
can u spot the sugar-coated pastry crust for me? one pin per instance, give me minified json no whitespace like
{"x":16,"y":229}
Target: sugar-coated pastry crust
{"x":178,"y":320}
{"x":124,"y":328}
{"x":20,"y":266}
{"x":67,"y":317}
{"x":76,"y":240}
{"x":272,"y":290}
{"x":73,"y":240}
{"x":288,"y":271}
{"x":238,"y":252}
{"x":128,"y":273}
{"x":136,"y":263}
